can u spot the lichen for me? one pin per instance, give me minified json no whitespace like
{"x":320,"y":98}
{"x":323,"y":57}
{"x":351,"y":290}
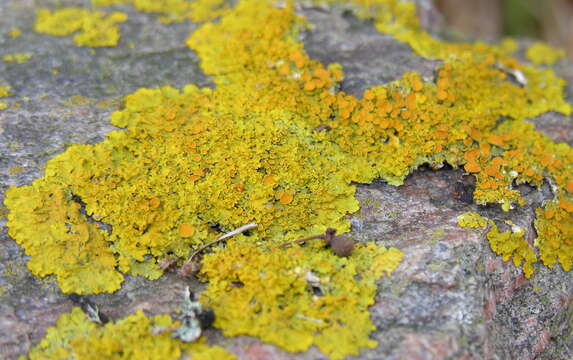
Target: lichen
{"x":5,"y":91}
{"x":14,"y":33}
{"x":287,"y":313}
{"x":509,"y":244}
{"x":18,"y":58}
{"x":133,"y":337}
{"x":276,"y":143}
{"x":92,"y":28}
{"x":472,"y":219}
{"x":554,"y":225}
{"x":542,"y":54}
{"x":236,"y":172}
{"x":174,"y":10}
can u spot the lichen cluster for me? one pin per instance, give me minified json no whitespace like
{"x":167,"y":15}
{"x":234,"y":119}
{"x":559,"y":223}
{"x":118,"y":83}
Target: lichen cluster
{"x":97,"y":28}
{"x":270,"y":294}
{"x":542,"y":54}
{"x":509,"y":244}
{"x":92,"y":28}
{"x":276,"y":143}
{"x":5,"y":91}
{"x":18,"y":58}
{"x":136,"y":336}
{"x":174,"y":10}
{"x":479,"y":85}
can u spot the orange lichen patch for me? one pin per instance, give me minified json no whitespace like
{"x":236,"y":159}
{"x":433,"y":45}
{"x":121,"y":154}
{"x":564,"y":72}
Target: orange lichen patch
{"x":567,"y":206}
{"x":472,"y":167}
{"x":269,"y":180}
{"x":154,"y":203}
{"x":186,"y":230}
{"x":569,"y":186}
{"x":285,"y":197}
{"x":136,"y":336}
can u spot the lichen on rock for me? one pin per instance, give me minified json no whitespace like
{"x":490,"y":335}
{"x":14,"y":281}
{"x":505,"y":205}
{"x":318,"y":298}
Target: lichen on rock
{"x":136,"y":336}
{"x":94,"y":28}
{"x":5,"y":91}
{"x":297,"y":297}
{"x":275,"y":142}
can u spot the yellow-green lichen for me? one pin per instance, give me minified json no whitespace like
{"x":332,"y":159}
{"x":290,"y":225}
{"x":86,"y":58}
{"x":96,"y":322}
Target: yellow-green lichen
{"x":14,"y":33}
{"x":233,"y":154}
{"x":554,"y":225}
{"x":174,"y":10}
{"x":509,"y":244}
{"x":512,"y":243}
{"x":5,"y":91}
{"x":543,"y":54}
{"x":18,"y":58}
{"x":15,"y":170}
{"x":269,"y":294}
{"x":253,"y":149}
{"x":472,"y":219}
{"x":92,"y":28}
{"x":136,"y":336}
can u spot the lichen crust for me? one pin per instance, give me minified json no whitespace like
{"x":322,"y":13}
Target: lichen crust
{"x":277,"y":143}
{"x":136,"y":336}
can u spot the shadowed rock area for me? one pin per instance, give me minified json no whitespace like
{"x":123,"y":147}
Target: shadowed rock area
{"x":451,"y":298}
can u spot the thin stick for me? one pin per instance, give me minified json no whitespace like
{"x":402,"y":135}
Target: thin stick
{"x":300,"y":241}
{"x":223,"y":237}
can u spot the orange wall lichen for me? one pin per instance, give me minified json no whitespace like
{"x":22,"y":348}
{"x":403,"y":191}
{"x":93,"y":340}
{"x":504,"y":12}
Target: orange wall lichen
{"x":136,"y":336}
{"x":94,"y":28}
{"x":276,"y":143}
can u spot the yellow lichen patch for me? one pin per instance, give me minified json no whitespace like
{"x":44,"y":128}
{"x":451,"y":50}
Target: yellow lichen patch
{"x":133,"y":337}
{"x":543,"y":54}
{"x":14,"y":33}
{"x":18,"y":58}
{"x":554,"y":226}
{"x":94,"y":28}
{"x":174,"y":10}
{"x":275,"y":143}
{"x":15,"y":170}
{"x":512,"y":243}
{"x":472,"y":220}
{"x":5,"y":91}
{"x":269,"y":293}
{"x":509,"y":244}
{"x":59,"y":240}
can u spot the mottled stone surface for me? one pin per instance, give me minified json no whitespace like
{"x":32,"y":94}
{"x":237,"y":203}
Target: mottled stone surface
{"x":451,"y":298}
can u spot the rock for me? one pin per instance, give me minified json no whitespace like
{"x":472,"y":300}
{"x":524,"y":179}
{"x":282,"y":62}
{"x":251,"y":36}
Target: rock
{"x":451,"y":298}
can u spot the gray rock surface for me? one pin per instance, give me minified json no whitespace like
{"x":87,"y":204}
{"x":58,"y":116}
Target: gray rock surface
{"x":451,"y":298}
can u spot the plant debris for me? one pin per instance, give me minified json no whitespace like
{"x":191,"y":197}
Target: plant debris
{"x":340,"y":245}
